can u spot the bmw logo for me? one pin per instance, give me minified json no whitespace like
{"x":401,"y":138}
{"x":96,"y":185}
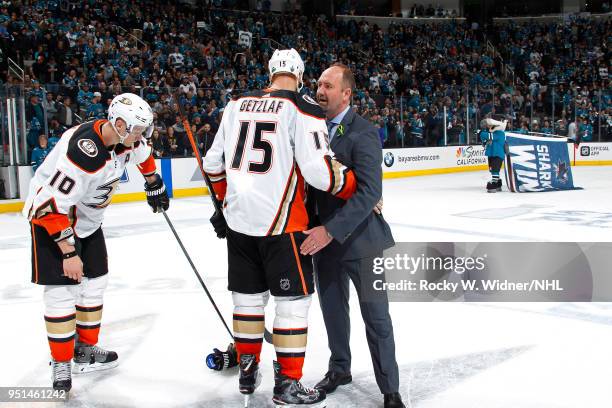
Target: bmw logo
{"x":389,"y":159}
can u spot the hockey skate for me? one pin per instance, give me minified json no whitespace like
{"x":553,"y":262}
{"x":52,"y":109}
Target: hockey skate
{"x":60,"y":375}
{"x":494,"y":186}
{"x":289,"y":392}
{"x":250,"y":377}
{"x":92,"y":358}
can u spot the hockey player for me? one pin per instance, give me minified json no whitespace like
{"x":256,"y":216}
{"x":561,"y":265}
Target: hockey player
{"x":493,"y":137}
{"x":269,"y":143}
{"x":65,"y":207}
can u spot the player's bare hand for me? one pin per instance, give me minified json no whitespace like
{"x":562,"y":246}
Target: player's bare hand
{"x":317,"y":239}
{"x":379,"y":206}
{"x":73,"y":268}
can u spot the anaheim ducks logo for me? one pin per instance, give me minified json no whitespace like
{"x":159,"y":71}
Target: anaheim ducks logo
{"x":125,"y":100}
{"x":309,"y":99}
{"x":88,"y":147}
{"x":106,"y":193}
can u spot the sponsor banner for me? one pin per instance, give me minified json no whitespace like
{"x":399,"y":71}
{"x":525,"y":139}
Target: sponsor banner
{"x":491,"y":272}
{"x":132,"y":180}
{"x":590,"y":152}
{"x":186,"y":174}
{"x":432,"y":158}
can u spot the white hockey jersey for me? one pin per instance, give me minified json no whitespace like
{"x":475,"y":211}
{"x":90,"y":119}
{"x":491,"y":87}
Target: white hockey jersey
{"x":268,"y":143}
{"x":77,"y":180}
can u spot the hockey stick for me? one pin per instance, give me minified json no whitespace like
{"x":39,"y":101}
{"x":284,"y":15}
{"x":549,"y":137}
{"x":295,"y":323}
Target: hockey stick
{"x":213,"y":196}
{"x":196,"y":273}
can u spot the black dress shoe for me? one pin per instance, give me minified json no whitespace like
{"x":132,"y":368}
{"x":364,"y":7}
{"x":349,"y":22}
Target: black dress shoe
{"x":394,"y":400}
{"x":332,"y":380}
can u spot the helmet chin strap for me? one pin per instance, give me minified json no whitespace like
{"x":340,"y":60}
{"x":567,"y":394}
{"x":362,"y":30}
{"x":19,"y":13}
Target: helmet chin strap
{"x":121,"y":138}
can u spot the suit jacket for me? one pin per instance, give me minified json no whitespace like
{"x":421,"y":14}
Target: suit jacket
{"x":358,"y":232}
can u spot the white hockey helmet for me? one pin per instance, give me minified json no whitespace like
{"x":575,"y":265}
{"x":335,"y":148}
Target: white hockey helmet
{"x":136,"y":113}
{"x":287,"y":61}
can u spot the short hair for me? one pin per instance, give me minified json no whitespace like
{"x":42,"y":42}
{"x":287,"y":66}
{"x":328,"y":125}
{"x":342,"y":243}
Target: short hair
{"x":348,"y":79}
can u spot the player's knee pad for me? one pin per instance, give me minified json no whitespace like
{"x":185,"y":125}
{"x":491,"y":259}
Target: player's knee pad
{"x":292,"y":310}
{"x":92,"y":292}
{"x":250,"y":303}
{"x":60,"y":300}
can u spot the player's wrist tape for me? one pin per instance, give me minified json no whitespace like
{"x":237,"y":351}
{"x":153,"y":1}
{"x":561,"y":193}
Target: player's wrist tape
{"x":69,"y":255}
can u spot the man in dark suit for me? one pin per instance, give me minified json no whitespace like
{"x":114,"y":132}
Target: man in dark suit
{"x":350,"y":236}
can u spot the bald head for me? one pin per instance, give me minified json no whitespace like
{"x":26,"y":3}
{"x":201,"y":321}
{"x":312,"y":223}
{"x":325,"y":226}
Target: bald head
{"x":334,"y":89}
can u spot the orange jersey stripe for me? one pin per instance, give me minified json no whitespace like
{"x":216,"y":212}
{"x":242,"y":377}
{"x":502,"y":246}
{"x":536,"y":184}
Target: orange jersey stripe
{"x":350,"y":186}
{"x":53,"y":223}
{"x":35,"y":255}
{"x":299,"y":264}
{"x":148,"y":166}
{"x":219,"y":189}
{"x":298,"y":216}
{"x":282,"y":201}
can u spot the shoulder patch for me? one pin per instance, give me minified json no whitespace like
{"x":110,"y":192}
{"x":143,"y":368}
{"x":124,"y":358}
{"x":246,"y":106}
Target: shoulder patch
{"x":309,"y":106}
{"x":308,"y":99}
{"x":88,"y":147}
{"x":86,"y":150}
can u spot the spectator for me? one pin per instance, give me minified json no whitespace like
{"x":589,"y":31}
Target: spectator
{"x":50,"y":106}
{"x":160,"y":145}
{"x":64,"y":113}
{"x":95,"y":110}
{"x":40,"y":152}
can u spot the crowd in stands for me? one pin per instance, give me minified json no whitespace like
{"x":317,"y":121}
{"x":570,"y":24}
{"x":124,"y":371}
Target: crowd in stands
{"x":416,"y":82}
{"x":565,"y":70}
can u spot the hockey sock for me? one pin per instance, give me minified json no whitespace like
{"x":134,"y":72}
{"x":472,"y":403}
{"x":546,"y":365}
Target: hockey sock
{"x":89,"y":309}
{"x":291,"y":334}
{"x":60,"y":320}
{"x":249,"y":322}
{"x":88,"y":323}
{"x":495,"y":164}
{"x":60,"y":333}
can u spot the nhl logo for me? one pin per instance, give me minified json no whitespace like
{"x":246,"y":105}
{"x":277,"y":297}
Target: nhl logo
{"x":285,"y":284}
{"x":88,"y":147}
{"x":389,"y":159}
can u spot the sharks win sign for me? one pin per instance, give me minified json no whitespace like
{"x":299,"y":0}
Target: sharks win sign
{"x":535,"y":164}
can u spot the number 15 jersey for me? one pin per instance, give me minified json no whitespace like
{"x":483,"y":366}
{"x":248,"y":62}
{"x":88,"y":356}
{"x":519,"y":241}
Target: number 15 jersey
{"x":270,"y":143}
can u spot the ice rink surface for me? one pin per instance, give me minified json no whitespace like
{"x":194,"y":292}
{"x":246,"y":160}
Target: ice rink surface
{"x":158,"y":319}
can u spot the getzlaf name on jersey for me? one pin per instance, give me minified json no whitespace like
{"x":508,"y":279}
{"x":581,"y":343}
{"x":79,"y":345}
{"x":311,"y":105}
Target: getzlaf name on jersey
{"x":77,"y":180}
{"x":269,"y":143}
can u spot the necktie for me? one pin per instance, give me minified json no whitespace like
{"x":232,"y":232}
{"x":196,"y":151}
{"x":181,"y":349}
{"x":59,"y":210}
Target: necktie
{"x":330,"y":128}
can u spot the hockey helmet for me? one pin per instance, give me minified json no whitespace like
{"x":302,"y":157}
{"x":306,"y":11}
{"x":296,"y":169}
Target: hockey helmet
{"x":136,"y":113}
{"x":287,"y":61}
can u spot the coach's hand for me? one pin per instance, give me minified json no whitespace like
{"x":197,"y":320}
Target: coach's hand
{"x":157,"y":196}
{"x":219,"y":224}
{"x":379,"y":206}
{"x":318,"y":238}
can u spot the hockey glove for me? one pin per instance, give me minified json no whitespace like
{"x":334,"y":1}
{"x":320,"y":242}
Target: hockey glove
{"x":219,"y":224}
{"x":219,"y":360}
{"x":157,"y":197}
